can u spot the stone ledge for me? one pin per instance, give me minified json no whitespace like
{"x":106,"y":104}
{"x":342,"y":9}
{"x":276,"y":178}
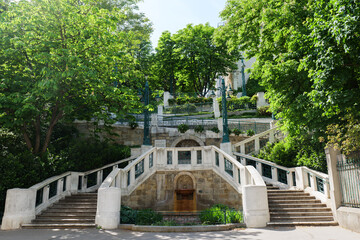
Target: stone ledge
{"x":193,"y":228}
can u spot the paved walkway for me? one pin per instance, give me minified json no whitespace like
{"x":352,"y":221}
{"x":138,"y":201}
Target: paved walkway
{"x":299,"y":233}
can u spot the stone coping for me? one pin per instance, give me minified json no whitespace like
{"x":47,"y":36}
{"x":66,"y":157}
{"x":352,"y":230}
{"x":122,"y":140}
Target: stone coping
{"x":192,"y":228}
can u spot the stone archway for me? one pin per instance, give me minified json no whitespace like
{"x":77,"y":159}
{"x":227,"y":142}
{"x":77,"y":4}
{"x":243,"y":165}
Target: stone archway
{"x":188,"y":141}
{"x":185,"y":192}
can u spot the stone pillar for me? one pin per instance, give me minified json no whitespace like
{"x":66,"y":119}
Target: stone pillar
{"x":19,"y":208}
{"x":220,"y":124}
{"x":216,"y":108}
{"x":73,"y":182}
{"x":335,"y":190}
{"x":108,"y":208}
{"x":167,"y":96}
{"x":226,"y":147}
{"x":160,"y":113}
{"x":261,"y":100}
{"x":154,"y":120}
{"x":255,"y":206}
{"x":145,"y":148}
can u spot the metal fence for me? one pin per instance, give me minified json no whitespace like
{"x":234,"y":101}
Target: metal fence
{"x":349,"y":176}
{"x":191,"y":121}
{"x":243,"y":126}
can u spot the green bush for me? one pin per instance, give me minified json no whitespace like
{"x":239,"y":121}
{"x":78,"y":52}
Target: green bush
{"x":183,"y":128}
{"x":215,"y":129}
{"x":264,"y":111}
{"x":250,"y":132}
{"x":254,"y":99}
{"x":180,"y":100}
{"x":147,"y":217}
{"x":235,"y":104}
{"x":253,"y":87}
{"x":127,"y":215}
{"x":236,"y":131}
{"x":220,"y":214}
{"x":133,"y":125}
{"x":199,"y":129}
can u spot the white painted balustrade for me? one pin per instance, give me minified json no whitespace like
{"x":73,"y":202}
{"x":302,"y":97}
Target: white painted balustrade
{"x":270,"y":136}
{"x":22,"y":205}
{"x":301,"y":178}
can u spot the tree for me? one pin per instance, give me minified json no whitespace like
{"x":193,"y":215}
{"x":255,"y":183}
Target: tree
{"x":165,"y":62}
{"x":306,"y":55}
{"x":58,"y":61}
{"x":201,"y":60}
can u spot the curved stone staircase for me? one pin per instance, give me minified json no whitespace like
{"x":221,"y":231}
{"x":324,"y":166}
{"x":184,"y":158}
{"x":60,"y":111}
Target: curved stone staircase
{"x":76,"y":211}
{"x":290,"y":208}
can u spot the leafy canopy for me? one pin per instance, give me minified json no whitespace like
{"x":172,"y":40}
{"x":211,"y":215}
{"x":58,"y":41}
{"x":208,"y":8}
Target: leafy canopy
{"x":61,"y":60}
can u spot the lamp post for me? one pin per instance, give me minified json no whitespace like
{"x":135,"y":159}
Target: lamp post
{"x":146,"y":140}
{"x":224,"y":113}
{"x":243,"y":78}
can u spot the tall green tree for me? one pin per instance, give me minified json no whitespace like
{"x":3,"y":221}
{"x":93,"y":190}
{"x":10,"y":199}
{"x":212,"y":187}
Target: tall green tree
{"x":165,"y":62}
{"x":306,"y":55}
{"x":58,"y":61}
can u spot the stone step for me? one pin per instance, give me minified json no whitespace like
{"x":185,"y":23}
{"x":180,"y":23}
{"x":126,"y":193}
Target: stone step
{"x":79,"y":200}
{"x":81,"y":197}
{"x":71,"y":210}
{"x":290,"y":194}
{"x":309,"y":224}
{"x":74,"y":206}
{"x":64,"y":220}
{"x":293,"y":201}
{"x":58,"y":225}
{"x":299,"y":209}
{"x":301,"y":219}
{"x":296,"y":192}
{"x":66,"y":216}
{"x":296,"y":205}
{"x":289,"y":197}
{"x":294,"y":214}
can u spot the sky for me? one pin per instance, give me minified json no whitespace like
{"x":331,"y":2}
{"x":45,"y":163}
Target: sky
{"x":173,"y":15}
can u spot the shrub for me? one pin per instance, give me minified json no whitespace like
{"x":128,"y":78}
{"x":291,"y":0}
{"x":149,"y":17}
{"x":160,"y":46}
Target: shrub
{"x":147,"y":217}
{"x":220,"y":214}
{"x":127,"y":215}
{"x":236,"y":131}
{"x":183,"y":128}
{"x":250,"y":132}
{"x":254,"y":99}
{"x":199,"y":129}
{"x":264,"y":111}
{"x":215,"y":129}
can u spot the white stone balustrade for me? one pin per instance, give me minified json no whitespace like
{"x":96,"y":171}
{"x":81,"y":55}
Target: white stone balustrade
{"x":302,"y":178}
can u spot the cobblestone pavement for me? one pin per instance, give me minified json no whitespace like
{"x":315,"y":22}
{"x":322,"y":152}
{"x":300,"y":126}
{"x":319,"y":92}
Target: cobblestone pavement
{"x":299,"y":233}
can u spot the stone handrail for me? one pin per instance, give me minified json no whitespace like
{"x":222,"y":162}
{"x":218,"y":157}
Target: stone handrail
{"x":302,"y":178}
{"x":243,"y":179}
{"x":240,"y":146}
{"x":22,"y":205}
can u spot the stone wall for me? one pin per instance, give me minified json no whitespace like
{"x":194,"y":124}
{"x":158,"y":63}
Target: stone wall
{"x":158,"y":191}
{"x":134,"y":137}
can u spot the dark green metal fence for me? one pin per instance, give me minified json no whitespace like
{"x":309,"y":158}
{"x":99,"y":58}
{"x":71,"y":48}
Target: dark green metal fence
{"x":349,"y":175}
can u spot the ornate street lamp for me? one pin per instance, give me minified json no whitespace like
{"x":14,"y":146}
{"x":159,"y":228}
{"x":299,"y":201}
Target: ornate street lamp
{"x":146,"y":140}
{"x":224,"y":113}
{"x":243,"y":78}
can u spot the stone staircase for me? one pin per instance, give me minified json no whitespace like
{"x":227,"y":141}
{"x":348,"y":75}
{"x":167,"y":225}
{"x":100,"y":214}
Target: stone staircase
{"x":76,"y":211}
{"x":290,"y":208}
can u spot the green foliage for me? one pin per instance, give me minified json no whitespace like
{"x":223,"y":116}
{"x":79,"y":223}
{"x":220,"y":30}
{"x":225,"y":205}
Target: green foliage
{"x":166,"y":223}
{"x":250,"y":132}
{"x":183,"y":128}
{"x":66,"y":60}
{"x":199,"y":129}
{"x":253,"y":87}
{"x":235,"y":104}
{"x":147,"y":217}
{"x":190,"y":59}
{"x":127,"y":215}
{"x":264,"y":111}
{"x":306,"y":58}
{"x":220,"y":214}
{"x":306,"y":151}
{"x":254,"y":99}
{"x":236,"y":131}
{"x":186,"y":108}
{"x":215,"y":129}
